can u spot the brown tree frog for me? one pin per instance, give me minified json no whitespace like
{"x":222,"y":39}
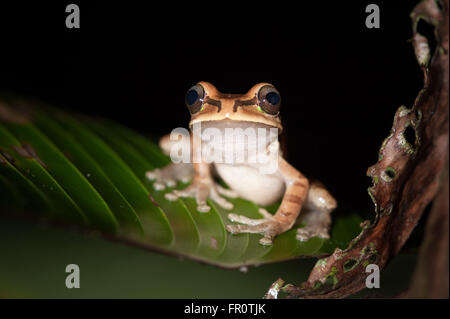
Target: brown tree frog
{"x":259,"y":108}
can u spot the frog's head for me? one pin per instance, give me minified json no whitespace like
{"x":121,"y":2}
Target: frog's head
{"x":260,"y":105}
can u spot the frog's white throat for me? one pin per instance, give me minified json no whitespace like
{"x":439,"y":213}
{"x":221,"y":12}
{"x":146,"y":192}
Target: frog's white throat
{"x":236,"y":141}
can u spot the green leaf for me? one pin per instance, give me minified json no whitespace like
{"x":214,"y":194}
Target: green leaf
{"x":35,"y":144}
{"x":92,"y":173}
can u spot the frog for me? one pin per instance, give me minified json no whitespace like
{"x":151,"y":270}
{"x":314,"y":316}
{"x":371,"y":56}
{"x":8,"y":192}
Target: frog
{"x":304,"y":201}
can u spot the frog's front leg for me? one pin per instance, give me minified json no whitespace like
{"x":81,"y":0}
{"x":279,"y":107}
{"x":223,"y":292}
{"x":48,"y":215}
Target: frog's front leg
{"x":172,"y":173}
{"x":203,"y":187}
{"x":297,"y":186}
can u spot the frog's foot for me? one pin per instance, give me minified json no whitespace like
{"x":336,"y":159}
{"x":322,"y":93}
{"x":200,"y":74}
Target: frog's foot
{"x":169,"y":175}
{"x":317,"y":225}
{"x":316,"y":214}
{"x":305,"y":233}
{"x":267,"y":226}
{"x":202,"y":191}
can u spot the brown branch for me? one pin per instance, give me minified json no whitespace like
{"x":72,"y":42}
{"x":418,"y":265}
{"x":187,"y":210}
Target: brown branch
{"x":430,"y":279}
{"x":406,"y":177}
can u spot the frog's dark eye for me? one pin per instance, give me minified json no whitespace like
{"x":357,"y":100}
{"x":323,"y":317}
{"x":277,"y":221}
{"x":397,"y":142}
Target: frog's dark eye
{"x":194,"y":98}
{"x":269,"y":99}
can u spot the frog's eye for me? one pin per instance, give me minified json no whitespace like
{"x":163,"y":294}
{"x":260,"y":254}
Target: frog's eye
{"x":269,"y":99}
{"x":194,"y":98}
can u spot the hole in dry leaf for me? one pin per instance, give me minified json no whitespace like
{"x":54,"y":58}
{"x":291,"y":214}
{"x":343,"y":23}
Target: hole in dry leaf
{"x":350,"y":264}
{"x":388,"y":174}
{"x":410,"y":135}
{"x":418,"y":114}
{"x":427,"y":30}
{"x":372,"y":258}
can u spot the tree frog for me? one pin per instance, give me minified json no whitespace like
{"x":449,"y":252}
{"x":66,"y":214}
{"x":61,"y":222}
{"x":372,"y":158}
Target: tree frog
{"x":259,"y":108}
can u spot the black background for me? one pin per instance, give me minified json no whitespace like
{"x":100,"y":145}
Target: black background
{"x":133,"y":62}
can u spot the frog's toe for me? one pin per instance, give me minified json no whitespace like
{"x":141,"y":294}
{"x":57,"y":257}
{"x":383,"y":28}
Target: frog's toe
{"x":203,"y":207}
{"x":306,"y":233}
{"x":221,"y":201}
{"x":303,"y":234}
{"x":226,"y":192}
{"x":268,"y":227}
{"x":175,"y":194}
{"x":199,"y":193}
{"x":202,"y":192}
{"x":266,"y":241}
{"x":241,"y":228}
{"x":151,"y":175}
{"x":169,"y":175}
{"x":159,"y":186}
{"x":161,"y":180}
{"x":264,"y":213}
{"x":185,"y":179}
{"x":155,"y":175}
{"x":172,"y":196}
{"x":244,"y":220}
